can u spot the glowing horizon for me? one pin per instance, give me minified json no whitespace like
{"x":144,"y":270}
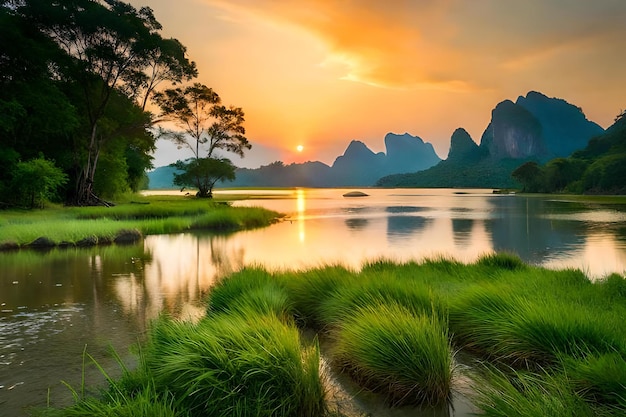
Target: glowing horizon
{"x":319,"y":73}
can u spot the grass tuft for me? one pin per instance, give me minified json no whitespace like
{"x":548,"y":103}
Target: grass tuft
{"x":502,"y":260}
{"x":231,"y":365}
{"x":390,"y":350}
{"x":523,"y":394}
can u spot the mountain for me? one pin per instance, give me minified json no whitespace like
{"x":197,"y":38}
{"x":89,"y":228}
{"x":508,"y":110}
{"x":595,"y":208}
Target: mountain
{"x":534,"y":128}
{"x":358,"y":166}
{"x":513,"y":133}
{"x":564,"y":126}
{"x":599,"y":168}
{"x":463,"y":147}
{"x":162,"y":178}
{"x":277,"y":174}
{"x":406,"y":153}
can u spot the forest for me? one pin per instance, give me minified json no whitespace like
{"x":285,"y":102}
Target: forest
{"x":84,"y":88}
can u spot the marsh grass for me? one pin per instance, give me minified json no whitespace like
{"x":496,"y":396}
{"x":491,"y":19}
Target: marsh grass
{"x":525,"y":394}
{"x":307,"y":290}
{"x":145,"y":403}
{"x":391,"y":350}
{"x":529,"y":332}
{"x":599,"y":378}
{"x":378,"y":289}
{"x":252,"y":290}
{"x":555,"y":341}
{"x":234,"y":365}
{"x":157,"y":217}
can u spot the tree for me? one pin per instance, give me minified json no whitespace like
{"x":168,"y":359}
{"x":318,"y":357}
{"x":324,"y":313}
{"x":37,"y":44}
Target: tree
{"x":36,"y":181}
{"x":531,"y":176}
{"x":203,"y":174}
{"x":203,"y":121}
{"x":205,"y":126}
{"x":114,"y":48}
{"x":560,"y":172}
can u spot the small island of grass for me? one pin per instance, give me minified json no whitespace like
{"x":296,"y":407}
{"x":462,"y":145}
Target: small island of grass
{"x":125,"y":222}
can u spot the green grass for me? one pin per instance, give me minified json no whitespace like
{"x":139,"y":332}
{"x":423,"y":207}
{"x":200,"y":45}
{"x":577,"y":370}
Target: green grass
{"x":156,"y":215}
{"x":554,"y":342}
{"x":389,"y":349}
{"x":599,"y":378}
{"x":236,"y":365}
{"x":525,"y":331}
{"x":145,"y":403}
{"x":252,"y":290}
{"x":523,"y":394}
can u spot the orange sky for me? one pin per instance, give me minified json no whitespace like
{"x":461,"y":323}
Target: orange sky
{"x":320,"y":73}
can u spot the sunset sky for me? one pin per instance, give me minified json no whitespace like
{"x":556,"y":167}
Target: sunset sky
{"x":320,"y":73}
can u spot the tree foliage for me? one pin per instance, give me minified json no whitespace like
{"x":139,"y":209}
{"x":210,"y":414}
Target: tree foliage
{"x":206,"y":127}
{"x":204,"y":124}
{"x":530,"y":175}
{"x":203,"y":174}
{"x":36,"y":181}
{"x":75,"y":80}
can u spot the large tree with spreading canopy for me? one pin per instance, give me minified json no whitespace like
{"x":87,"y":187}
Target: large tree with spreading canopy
{"x":113,"y":49}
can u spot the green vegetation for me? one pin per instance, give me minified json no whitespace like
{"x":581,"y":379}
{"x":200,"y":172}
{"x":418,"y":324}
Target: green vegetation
{"x":543,"y":342}
{"x":76,"y":80}
{"x":476,"y":172}
{"x":148,"y":215}
{"x":599,"y":168}
{"x":198,"y":112}
{"x":389,"y":349}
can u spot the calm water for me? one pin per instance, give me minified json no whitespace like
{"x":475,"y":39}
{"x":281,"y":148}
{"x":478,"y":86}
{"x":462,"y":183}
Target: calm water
{"x":55,"y":305}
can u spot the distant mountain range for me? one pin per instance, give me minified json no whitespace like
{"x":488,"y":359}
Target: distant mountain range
{"x":535,"y":128}
{"x":358,"y":166}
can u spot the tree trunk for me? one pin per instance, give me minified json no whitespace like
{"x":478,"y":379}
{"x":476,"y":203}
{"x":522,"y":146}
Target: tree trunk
{"x":84,"y":187}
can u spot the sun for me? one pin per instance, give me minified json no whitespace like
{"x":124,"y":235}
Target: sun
{"x":299,"y":148}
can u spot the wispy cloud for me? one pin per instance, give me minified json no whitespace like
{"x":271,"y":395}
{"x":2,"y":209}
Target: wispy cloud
{"x":440,"y":44}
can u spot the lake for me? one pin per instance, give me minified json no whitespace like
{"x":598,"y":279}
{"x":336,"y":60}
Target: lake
{"x":56,"y":305}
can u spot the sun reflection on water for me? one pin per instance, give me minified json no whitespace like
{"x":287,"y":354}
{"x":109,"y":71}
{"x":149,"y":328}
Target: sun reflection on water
{"x":301,"y":209}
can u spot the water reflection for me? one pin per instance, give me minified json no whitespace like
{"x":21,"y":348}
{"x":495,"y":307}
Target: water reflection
{"x":356,"y":223}
{"x":301,"y":207}
{"x":462,"y":230}
{"x":426,"y":223}
{"x":402,"y":227}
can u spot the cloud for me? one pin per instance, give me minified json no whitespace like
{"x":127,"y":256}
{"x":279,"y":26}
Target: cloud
{"x":451,"y":45}
{"x":373,"y":43}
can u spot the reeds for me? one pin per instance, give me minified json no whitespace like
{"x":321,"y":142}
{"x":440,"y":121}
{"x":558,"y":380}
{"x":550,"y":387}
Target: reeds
{"x":389,"y":349}
{"x":554,"y":342}
{"x":528,"y":332}
{"x":524,"y":394}
{"x":251,"y":291}
{"x":235,"y":365}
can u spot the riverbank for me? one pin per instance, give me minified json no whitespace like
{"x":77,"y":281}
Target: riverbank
{"x":542,"y":342}
{"x":126,"y":222}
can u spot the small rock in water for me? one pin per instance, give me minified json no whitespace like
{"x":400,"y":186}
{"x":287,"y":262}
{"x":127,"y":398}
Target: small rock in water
{"x":355,"y":194}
